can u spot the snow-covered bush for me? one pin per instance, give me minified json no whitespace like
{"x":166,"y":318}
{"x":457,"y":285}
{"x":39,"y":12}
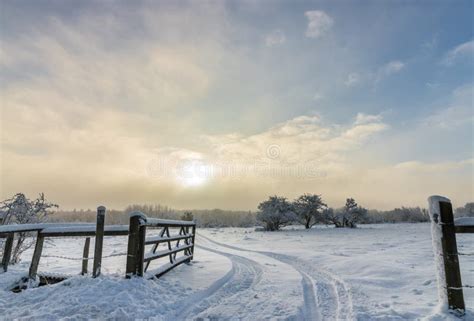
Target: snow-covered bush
{"x":466,"y":210}
{"x":20,"y":210}
{"x":187,"y":216}
{"x":331,"y":216}
{"x":275,"y":213}
{"x":309,"y":209}
{"x":397,"y":215}
{"x":349,"y":216}
{"x":352,"y":213}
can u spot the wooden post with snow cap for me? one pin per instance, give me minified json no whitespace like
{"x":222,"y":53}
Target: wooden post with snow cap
{"x":99,"y":240}
{"x":136,"y":246}
{"x":446,"y":254}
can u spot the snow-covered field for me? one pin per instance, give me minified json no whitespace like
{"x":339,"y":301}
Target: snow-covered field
{"x":375,"y":272}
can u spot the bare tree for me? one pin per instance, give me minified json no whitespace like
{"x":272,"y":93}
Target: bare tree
{"x":20,"y":210}
{"x":308,"y":208}
{"x":275,"y":213}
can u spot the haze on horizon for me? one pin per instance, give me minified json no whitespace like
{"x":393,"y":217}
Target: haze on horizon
{"x":198,"y":104}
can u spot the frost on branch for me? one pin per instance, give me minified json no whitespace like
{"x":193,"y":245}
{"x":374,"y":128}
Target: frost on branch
{"x":275,"y":213}
{"x":20,"y":210}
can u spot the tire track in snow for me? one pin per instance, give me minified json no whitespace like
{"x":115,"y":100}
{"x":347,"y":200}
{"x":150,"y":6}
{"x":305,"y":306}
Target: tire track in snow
{"x":333,"y":300}
{"x":244,"y":275}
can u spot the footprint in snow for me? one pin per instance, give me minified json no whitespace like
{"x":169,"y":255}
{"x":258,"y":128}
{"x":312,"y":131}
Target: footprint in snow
{"x":417,"y":292}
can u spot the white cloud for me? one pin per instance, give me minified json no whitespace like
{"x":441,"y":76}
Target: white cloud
{"x":362,"y":118}
{"x":318,"y":96}
{"x":458,"y":113}
{"x":319,"y":22}
{"x":300,"y":139}
{"x":392,"y":67}
{"x":275,"y":38}
{"x":418,"y":166}
{"x":375,"y":76}
{"x":432,"y":85}
{"x":463,"y":50}
{"x":352,"y":79}
{"x":388,"y":69}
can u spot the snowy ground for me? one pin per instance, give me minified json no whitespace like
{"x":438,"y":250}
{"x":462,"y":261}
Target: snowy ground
{"x":376,"y":272}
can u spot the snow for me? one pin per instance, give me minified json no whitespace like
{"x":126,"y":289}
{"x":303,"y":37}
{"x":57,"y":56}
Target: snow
{"x":40,"y":226}
{"x":84,"y":228}
{"x":375,"y":272}
{"x":159,"y":221}
{"x":464,"y":221}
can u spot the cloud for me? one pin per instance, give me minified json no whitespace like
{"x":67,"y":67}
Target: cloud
{"x":319,"y":22}
{"x":301,"y":139}
{"x":457,"y":114}
{"x":387,"y":70}
{"x":362,"y":118}
{"x":275,"y":38}
{"x":392,"y":67}
{"x":318,"y":96}
{"x":465,"y":49}
{"x":376,"y":76}
{"x":352,"y":79}
{"x":418,"y":166}
{"x":432,"y":85}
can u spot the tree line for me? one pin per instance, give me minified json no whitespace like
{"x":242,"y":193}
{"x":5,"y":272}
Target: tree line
{"x":308,"y":209}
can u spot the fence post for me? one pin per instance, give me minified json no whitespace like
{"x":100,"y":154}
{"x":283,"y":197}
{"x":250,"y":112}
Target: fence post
{"x":36,"y":257}
{"x":99,"y":240}
{"x":7,"y":251}
{"x":135,"y":238}
{"x":446,"y":254}
{"x":85,"y":256}
{"x":141,"y":249}
{"x":193,"y":238}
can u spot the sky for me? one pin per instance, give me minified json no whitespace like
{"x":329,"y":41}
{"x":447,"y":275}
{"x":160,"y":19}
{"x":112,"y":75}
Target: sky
{"x":219,"y":104}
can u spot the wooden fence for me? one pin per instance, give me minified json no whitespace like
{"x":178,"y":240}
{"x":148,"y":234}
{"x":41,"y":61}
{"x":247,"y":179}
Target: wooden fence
{"x":138,"y":260}
{"x":443,"y":231}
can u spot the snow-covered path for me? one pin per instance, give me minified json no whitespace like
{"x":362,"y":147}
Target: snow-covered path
{"x":325,"y":296}
{"x":237,"y":286}
{"x":379,"y":272}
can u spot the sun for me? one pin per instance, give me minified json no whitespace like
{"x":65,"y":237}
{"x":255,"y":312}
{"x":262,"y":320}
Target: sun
{"x":193,"y":173}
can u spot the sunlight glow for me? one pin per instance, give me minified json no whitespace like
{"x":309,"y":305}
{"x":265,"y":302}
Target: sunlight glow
{"x":193,"y":173}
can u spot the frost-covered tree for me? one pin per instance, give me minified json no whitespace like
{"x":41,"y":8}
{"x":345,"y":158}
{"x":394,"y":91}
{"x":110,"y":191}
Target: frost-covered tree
{"x":331,"y":216}
{"x":187,"y":216}
{"x":466,"y":210}
{"x":275,"y":213}
{"x":20,"y":210}
{"x":352,"y":213}
{"x":309,"y":208}
{"x":348,"y":216}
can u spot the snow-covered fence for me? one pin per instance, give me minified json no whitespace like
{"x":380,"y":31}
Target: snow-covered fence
{"x":443,"y":231}
{"x":51,"y":230}
{"x":138,"y":260}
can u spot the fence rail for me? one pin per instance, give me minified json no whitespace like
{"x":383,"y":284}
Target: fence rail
{"x":137,"y":261}
{"x":443,"y":231}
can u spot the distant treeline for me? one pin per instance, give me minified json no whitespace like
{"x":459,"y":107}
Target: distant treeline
{"x":226,"y":218}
